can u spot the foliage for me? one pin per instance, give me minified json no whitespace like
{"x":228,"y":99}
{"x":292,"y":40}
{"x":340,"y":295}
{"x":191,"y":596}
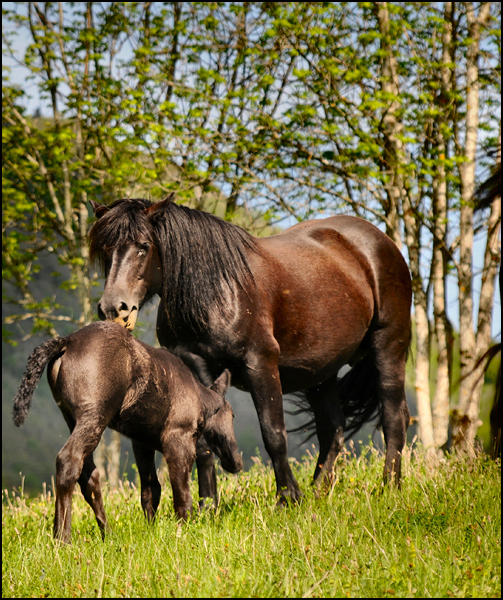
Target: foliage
{"x":439,"y":536}
{"x":278,"y":107}
{"x":257,"y":111}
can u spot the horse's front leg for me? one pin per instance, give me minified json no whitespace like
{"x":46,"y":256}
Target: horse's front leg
{"x":265,"y":387}
{"x":205,"y":459}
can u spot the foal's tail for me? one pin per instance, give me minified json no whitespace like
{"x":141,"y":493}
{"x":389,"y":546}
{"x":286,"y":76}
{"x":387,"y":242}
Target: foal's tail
{"x":34,"y":369}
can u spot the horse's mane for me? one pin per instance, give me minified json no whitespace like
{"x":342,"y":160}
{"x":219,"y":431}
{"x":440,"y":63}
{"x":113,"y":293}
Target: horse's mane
{"x":203,"y":257}
{"x":125,"y":223}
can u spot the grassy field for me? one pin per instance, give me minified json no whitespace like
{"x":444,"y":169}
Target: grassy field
{"x":439,"y":536}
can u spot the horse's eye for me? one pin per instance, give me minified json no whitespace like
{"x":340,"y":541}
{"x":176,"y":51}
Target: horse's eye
{"x":143,"y":249}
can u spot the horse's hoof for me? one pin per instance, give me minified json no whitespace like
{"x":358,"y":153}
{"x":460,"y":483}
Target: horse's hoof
{"x":287,"y":497}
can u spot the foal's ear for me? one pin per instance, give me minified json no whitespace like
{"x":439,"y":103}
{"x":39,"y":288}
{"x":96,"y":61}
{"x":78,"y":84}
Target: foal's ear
{"x":160,"y":205}
{"x":99,"y":209}
{"x":221,"y":385}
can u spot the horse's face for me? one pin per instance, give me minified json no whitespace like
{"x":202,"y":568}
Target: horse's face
{"x":122,"y":239}
{"x":133,"y":275}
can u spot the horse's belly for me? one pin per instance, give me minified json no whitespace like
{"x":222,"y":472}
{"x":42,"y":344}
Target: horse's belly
{"x":295,"y":380}
{"x":310,"y":366}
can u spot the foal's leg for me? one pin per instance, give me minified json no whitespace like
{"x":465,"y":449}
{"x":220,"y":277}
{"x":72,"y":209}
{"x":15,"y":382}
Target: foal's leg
{"x":89,"y":481}
{"x":150,"y":486}
{"x":390,"y":354}
{"x":206,"y":475}
{"x":205,"y":460}
{"x":330,"y":425}
{"x":69,"y":464}
{"x":179,"y":450}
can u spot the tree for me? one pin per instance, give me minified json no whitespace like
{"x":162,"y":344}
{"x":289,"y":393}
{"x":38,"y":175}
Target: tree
{"x":474,"y":343}
{"x":262,"y":111}
{"x":387,"y":88}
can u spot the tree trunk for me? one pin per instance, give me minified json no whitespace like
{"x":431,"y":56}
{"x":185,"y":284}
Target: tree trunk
{"x":393,"y":147}
{"x":113,"y":456}
{"x":422,"y":370}
{"x":393,"y":161}
{"x":440,"y":406}
{"x":492,"y":259}
{"x":100,"y":461}
{"x":465,"y":417}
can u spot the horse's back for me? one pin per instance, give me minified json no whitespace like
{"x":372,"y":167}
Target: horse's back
{"x":358,"y":237}
{"x":355,"y":251}
{"x":171,"y":376}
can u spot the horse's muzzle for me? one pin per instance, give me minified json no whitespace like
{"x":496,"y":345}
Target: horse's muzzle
{"x":128,"y":322}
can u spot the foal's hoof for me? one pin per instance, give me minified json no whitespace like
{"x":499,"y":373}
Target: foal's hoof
{"x":208,"y":505}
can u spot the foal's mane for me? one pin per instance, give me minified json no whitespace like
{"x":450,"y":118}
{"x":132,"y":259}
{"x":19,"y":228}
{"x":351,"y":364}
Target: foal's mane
{"x":203,"y":257}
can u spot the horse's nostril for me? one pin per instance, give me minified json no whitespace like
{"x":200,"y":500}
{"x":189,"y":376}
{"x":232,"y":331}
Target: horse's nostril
{"x":122,"y":307}
{"x":101,"y":314}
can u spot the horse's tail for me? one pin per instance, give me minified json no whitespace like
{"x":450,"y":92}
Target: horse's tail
{"x":359,"y":396}
{"x":34,"y":369}
{"x":359,"y":393}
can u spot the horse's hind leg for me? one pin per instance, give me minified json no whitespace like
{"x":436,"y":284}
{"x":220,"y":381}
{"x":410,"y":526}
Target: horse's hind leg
{"x":69,"y":466}
{"x":150,"y":486}
{"x":390,"y":354}
{"x":330,"y":424}
{"x":89,"y":481}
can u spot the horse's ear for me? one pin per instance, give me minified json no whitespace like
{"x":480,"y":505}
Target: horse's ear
{"x":160,"y":205}
{"x":221,"y":385}
{"x":99,"y":209}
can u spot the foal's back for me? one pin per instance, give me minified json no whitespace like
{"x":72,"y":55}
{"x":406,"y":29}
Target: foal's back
{"x":105,"y":375}
{"x":96,"y":364}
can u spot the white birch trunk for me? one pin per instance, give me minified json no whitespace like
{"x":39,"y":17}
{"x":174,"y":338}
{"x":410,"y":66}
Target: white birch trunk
{"x":441,"y":400}
{"x":113,"y":456}
{"x":422,"y":368}
{"x":465,"y":417}
{"x":393,"y":127}
{"x":394,"y":155}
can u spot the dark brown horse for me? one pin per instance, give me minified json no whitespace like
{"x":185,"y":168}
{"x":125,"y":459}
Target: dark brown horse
{"x":283,"y":314}
{"x":100,"y":376}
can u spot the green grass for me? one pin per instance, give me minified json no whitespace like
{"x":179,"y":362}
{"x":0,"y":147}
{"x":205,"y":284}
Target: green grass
{"x":439,"y":536}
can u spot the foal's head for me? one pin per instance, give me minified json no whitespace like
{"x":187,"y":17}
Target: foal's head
{"x":219,"y":429}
